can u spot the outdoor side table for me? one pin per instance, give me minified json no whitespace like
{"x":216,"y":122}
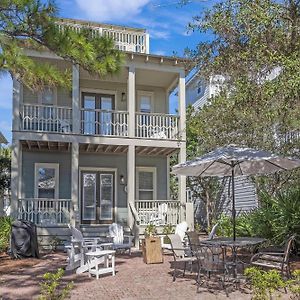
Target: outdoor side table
{"x":101,"y":262}
{"x":152,"y":251}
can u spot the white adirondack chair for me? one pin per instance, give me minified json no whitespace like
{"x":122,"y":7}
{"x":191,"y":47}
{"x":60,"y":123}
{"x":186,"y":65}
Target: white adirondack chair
{"x":120,"y":241}
{"x":77,"y":249}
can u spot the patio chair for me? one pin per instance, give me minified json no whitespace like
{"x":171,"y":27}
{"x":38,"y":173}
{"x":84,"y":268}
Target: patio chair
{"x":211,"y":261}
{"x":77,"y":249}
{"x":120,"y":241}
{"x":275,"y":260}
{"x":179,"y":254}
{"x":180,"y":229}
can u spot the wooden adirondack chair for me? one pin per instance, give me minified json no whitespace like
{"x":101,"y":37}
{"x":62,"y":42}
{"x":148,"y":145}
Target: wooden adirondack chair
{"x":275,"y":260}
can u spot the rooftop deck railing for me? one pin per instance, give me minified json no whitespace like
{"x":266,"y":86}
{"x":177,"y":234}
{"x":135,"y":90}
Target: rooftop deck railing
{"x":126,"y":39}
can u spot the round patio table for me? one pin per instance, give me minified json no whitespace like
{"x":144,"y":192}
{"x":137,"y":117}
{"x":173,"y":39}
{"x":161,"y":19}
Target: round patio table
{"x":228,"y":242}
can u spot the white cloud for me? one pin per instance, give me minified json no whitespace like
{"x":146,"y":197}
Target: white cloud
{"x":158,"y":34}
{"x":111,"y":10}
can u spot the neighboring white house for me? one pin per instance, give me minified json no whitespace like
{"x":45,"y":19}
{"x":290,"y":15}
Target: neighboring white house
{"x":198,"y":93}
{"x":100,"y":153}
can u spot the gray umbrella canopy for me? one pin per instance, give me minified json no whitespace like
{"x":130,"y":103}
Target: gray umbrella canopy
{"x":235,"y":161}
{"x":244,"y":161}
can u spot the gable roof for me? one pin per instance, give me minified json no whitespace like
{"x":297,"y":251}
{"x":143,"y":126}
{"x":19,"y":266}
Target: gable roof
{"x":3,"y":140}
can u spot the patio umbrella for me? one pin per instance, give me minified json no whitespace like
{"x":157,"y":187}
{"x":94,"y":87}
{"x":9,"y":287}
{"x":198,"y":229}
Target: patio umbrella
{"x":235,"y":161}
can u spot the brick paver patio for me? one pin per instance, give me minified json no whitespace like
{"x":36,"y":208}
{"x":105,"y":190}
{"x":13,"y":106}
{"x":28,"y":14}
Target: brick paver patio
{"x":133,"y":280}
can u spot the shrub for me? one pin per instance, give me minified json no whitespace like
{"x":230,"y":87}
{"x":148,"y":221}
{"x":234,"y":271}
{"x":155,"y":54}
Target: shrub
{"x":5,"y":231}
{"x":51,"y":287}
{"x":168,"y":229}
{"x":277,"y":218}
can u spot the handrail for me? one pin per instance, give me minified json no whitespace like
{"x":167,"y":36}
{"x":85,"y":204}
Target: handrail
{"x":44,"y":105}
{"x":157,"y":114}
{"x":104,"y":110}
{"x":135,"y":213}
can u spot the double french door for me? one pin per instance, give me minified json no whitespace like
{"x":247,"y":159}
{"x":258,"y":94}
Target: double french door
{"x":97,"y":197}
{"x":97,"y":115}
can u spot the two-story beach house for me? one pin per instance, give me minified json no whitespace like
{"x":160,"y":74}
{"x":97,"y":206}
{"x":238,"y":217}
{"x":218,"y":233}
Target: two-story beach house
{"x":99,"y":153}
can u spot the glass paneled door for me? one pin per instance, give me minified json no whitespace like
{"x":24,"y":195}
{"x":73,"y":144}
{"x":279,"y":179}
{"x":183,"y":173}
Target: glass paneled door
{"x":97,"y":117}
{"x":97,"y":197}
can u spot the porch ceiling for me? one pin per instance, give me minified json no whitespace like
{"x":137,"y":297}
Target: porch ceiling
{"x":122,"y":149}
{"x":45,"y":145}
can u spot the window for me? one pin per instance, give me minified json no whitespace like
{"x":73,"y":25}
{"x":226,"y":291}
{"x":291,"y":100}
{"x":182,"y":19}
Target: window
{"x":48,"y":96}
{"x":145,"y":102}
{"x":146,"y":183}
{"x":46,"y":180}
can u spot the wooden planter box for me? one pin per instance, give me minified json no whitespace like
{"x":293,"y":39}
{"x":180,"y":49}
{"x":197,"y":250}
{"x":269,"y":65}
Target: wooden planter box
{"x":152,"y":251}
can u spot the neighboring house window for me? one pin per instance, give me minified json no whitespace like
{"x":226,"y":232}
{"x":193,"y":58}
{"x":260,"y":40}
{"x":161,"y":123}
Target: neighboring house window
{"x":48,"y":96}
{"x":145,"y":102}
{"x":199,"y":87}
{"x":146,"y":183}
{"x":46,"y":180}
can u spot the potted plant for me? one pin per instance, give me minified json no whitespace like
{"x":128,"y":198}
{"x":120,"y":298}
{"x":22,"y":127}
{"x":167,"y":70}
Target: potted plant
{"x":150,"y":230}
{"x":168,"y":229}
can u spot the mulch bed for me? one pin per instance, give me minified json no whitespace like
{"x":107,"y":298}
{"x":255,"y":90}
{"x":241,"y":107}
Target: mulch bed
{"x":7,"y":264}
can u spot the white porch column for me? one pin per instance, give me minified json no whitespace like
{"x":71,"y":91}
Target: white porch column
{"x":16,"y":176}
{"x":130,"y":183}
{"x":182,"y":127}
{"x":75,"y":99}
{"x":131,"y":101}
{"x":74,"y":210}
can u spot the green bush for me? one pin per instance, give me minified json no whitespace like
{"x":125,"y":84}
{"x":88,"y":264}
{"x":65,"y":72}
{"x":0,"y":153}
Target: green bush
{"x":277,"y":218}
{"x":51,"y":287}
{"x":5,"y":231}
{"x":168,"y":229}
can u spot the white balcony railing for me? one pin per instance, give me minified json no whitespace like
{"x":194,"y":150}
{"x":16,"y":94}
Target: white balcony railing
{"x":158,"y":212}
{"x":104,"y":122}
{"x":125,"y":39}
{"x":46,"y":118}
{"x":45,"y":212}
{"x":157,"y":126}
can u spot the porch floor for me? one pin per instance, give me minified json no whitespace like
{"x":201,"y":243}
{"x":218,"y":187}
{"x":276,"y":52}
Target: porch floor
{"x":133,"y":280}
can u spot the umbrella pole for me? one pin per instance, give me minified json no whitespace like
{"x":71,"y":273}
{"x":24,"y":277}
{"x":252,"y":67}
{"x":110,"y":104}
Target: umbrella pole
{"x":233,"y":201}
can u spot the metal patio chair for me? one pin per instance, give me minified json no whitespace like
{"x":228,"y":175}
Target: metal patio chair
{"x":276,"y":260}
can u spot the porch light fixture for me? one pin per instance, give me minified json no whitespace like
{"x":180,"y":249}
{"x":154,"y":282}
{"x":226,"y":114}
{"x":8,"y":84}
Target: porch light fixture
{"x":123,"y":98}
{"x":122,"y":180}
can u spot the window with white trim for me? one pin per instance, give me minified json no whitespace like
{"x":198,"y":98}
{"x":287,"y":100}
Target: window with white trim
{"x":146,"y":183}
{"x":145,"y":101}
{"x":46,"y":180}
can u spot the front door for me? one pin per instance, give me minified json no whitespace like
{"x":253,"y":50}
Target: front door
{"x":97,"y":197}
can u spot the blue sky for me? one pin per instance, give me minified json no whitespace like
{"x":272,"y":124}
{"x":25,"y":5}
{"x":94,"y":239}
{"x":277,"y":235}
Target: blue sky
{"x":166,"y":22}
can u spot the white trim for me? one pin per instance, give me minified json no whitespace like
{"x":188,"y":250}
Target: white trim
{"x":147,"y":169}
{"x":168,"y":177}
{"x":141,"y":93}
{"x":95,"y":193}
{"x":54,"y":166}
{"x":96,"y":169}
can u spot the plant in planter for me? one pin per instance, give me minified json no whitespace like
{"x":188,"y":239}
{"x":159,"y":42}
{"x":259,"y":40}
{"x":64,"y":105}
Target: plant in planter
{"x":150,"y":230}
{"x":168,"y":229}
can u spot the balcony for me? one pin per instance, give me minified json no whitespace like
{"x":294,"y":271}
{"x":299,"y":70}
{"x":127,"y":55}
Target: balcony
{"x":43,"y":118}
{"x":126,"y":39}
{"x":98,"y":122}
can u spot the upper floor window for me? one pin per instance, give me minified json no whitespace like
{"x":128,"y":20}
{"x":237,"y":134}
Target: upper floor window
{"x":145,"y":102}
{"x":48,"y":96}
{"x":46,"y":180}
